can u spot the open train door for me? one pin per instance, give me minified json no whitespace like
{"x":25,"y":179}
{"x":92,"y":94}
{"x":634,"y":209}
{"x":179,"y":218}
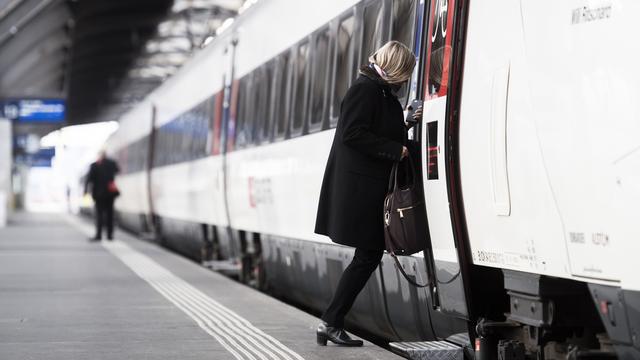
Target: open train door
{"x":438,"y":155}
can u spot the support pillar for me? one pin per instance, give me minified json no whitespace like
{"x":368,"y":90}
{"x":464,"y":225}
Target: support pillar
{"x":6,"y":142}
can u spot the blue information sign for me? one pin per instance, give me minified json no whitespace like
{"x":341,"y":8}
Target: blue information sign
{"x":34,"y":110}
{"x":42,"y":158}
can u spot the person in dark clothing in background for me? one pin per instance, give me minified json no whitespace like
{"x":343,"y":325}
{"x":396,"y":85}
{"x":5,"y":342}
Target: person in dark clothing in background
{"x":101,"y":178}
{"x":371,"y":135}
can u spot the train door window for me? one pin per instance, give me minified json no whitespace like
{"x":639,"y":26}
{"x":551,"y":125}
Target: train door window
{"x":281,"y":102}
{"x":439,"y":51}
{"x":299,"y":97}
{"x":343,"y":64}
{"x":402,"y":30}
{"x":263,"y":110}
{"x":372,"y":30}
{"x":404,"y":15}
{"x":320,"y":67}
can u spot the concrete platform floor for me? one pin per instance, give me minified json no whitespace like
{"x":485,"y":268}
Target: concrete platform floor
{"x":62,"y":297}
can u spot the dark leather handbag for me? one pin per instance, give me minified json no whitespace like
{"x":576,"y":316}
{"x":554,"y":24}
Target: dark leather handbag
{"x":405,"y":220}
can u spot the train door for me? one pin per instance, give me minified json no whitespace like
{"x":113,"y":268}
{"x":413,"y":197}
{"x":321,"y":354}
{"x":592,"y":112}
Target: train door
{"x":407,"y":307}
{"x":149,"y":223}
{"x":438,"y":155}
{"x":227,"y":244}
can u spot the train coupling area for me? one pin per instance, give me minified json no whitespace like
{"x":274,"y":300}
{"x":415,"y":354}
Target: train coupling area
{"x":64,"y":297}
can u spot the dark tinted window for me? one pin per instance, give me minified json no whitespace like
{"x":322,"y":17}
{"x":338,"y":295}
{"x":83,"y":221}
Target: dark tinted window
{"x":343,"y":73}
{"x":263,"y":109}
{"x":371,"y":30}
{"x":133,"y":157}
{"x":404,"y":13}
{"x":300,"y":81}
{"x":245,"y":112}
{"x":184,"y":138}
{"x":240,"y":113}
{"x":440,"y":52}
{"x":320,"y":71}
{"x":280,"y":113}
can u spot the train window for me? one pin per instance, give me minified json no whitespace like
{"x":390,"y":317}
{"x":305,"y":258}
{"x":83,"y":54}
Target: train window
{"x":183,"y":140}
{"x":231,"y":130}
{"x":343,"y":67}
{"x":263,"y":111}
{"x":240,"y":112}
{"x":281,"y":112}
{"x":245,"y":112}
{"x":320,"y":71}
{"x":190,"y":134}
{"x":300,"y":83}
{"x":439,"y":51}
{"x":201,"y":130}
{"x":372,"y":29}
{"x":256,"y":92}
{"x":250,"y":108}
{"x":404,"y":14}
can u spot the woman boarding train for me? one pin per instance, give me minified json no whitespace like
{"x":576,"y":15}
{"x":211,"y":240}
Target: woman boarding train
{"x":370,"y":136}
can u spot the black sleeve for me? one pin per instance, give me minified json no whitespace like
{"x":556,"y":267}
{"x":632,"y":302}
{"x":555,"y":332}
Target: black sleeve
{"x":357,"y":116}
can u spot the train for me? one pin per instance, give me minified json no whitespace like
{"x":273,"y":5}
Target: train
{"x":529,"y":160}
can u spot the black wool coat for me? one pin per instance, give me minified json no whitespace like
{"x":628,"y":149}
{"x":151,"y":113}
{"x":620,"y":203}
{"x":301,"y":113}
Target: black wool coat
{"x":100,"y":175}
{"x":368,"y":139}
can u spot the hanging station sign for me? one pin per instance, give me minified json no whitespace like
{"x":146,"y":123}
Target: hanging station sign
{"x":33,"y":110}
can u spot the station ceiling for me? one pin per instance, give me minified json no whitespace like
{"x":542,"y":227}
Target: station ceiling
{"x":102,"y":56}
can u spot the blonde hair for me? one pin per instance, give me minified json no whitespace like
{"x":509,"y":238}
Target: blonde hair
{"x":396,"y":61}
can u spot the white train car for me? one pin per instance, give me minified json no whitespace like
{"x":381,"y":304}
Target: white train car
{"x":129,"y":147}
{"x":527,"y":159}
{"x":528,"y":131}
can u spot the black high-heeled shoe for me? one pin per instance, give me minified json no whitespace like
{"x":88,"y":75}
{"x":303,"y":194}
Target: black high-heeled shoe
{"x":335,"y":335}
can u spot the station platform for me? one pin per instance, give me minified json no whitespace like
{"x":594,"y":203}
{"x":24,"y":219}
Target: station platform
{"x":63,"y":297}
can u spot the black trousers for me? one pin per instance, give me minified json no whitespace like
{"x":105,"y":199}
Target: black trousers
{"x":104,"y":213}
{"x":353,"y":280}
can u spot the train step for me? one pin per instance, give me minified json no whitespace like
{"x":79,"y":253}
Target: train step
{"x":428,"y":350}
{"x":224,"y":266}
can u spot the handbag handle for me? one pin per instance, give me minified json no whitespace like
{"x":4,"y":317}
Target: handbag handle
{"x":399,"y":266}
{"x":393,"y":176}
